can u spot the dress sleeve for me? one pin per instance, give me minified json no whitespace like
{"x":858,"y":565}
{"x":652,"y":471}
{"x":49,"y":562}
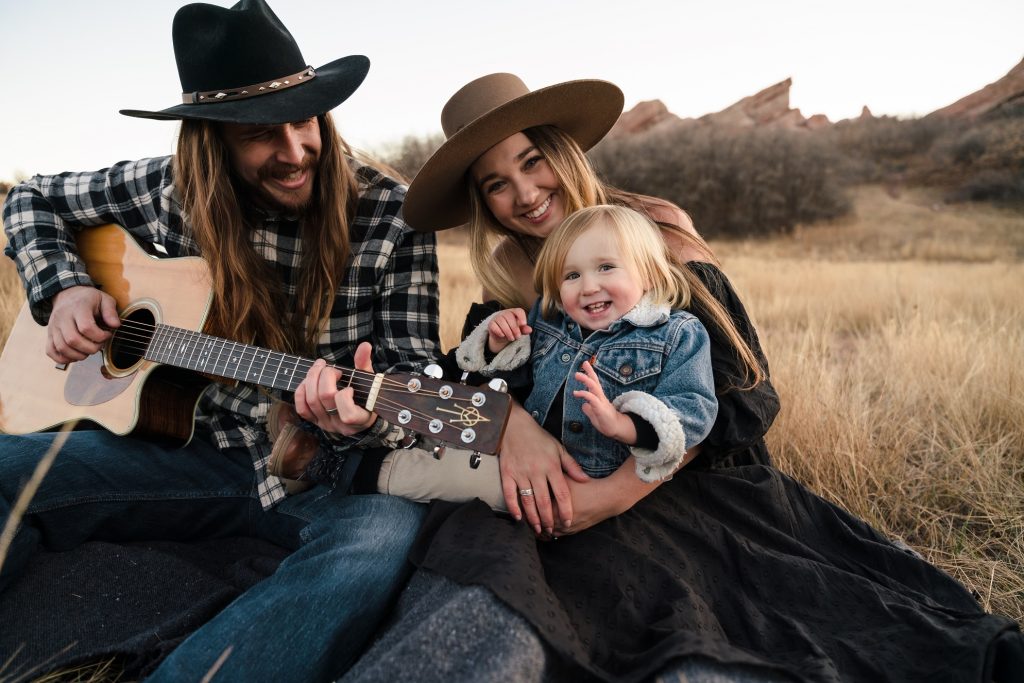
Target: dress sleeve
{"x":744,"y":415}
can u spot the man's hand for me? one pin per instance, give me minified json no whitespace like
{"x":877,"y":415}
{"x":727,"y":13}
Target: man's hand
{"x":319,"y":401}
{"x":505,"y":327}
{"x":80,"y":322}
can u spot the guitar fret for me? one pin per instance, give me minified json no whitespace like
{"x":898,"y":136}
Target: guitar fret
{"x":273,"y":380}
{"x":290,"y":382}
{"x":218,"y":344}
{"x":193,"y":339}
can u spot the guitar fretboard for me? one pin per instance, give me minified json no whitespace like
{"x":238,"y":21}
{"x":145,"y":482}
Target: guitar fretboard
{"x":224,"y":358}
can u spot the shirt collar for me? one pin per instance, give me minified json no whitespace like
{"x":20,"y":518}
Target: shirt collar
{"x":647,"y":313}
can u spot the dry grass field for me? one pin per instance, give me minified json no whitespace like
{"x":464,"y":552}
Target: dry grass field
{"x":896,"y":340}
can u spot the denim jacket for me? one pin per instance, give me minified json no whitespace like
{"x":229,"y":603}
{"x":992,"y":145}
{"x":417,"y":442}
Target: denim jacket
{"x":652,"y":362}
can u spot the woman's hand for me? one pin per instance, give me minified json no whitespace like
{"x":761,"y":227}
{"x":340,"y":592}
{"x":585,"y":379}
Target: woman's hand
{"x":319,"y":401}
{"x":531,"y":465}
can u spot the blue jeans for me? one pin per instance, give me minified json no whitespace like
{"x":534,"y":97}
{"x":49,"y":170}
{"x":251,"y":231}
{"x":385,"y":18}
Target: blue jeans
{"x":308,"y":621}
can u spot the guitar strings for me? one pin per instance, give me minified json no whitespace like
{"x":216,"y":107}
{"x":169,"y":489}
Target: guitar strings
{"x":140,"y":342}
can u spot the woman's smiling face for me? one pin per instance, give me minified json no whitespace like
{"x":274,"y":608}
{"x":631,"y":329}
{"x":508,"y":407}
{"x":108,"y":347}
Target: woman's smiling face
{"x":519,"y":187}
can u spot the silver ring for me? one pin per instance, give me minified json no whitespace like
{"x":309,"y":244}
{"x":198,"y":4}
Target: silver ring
{"x":331,"y":411}
{"x":525,"y":492}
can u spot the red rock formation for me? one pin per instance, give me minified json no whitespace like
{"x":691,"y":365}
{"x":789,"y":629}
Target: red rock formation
{"x":763,"y":108}
{"x":1009,"y":87}
{"x":769,"y":107}
{"x":817,"y":122}
{"x":643,"y":117}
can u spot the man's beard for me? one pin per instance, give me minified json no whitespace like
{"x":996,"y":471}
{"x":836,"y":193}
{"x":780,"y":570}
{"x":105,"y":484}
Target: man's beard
{"x":267,"y":198}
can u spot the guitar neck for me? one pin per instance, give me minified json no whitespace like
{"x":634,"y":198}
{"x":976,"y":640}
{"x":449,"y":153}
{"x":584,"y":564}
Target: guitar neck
{"x":451,"y":412}
{"x":251,"y":364}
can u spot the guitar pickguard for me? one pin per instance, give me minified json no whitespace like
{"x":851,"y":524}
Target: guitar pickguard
{"x":89,"y":383}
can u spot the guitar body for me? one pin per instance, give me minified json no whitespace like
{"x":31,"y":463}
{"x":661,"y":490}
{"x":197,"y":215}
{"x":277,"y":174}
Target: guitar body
{"x":143,"y":398}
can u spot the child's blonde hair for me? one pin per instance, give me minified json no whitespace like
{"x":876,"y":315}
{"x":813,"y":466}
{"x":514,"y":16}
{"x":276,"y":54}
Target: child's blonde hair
{"x":640,"y":245}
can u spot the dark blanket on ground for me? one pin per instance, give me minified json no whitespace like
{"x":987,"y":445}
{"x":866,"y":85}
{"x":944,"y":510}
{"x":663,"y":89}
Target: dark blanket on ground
{"x":741,"y":565}
{"x":133,"y":601}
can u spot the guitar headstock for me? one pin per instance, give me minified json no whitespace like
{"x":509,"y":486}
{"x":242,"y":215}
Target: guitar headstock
{"x":463,"y":416}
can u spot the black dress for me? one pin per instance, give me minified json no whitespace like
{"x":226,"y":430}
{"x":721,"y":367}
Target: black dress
{"x":733,"y":561}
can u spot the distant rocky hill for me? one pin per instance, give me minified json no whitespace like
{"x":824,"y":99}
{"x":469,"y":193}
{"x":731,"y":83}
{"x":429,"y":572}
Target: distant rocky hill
{"x":1007,"y":89}
{"x":770,"y":108}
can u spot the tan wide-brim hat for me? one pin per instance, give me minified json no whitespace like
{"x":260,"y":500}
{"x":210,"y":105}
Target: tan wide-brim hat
{"x":485,"y":112}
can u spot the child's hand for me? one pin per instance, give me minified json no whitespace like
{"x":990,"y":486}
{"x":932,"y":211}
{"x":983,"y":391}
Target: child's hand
{"x":506,"y":326}
{"x":603,"y":415}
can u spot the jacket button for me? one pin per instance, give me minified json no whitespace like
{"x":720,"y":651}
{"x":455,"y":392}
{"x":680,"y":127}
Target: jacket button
{"x":626,"y":370}
{"x":566,"y":357}
{"x":575,"y":427}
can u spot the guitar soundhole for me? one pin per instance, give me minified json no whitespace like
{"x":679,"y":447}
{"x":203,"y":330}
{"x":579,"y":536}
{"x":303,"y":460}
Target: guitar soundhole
{"x":129,"y":342}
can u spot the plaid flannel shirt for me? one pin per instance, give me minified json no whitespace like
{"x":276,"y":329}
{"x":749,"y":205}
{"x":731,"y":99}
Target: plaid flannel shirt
{"x":388,"y":295}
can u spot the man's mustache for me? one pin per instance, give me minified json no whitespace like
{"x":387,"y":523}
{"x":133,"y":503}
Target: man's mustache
{"x":275,"y":170}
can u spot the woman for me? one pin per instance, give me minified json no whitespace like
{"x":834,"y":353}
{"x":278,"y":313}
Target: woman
{"x":723,"y":571}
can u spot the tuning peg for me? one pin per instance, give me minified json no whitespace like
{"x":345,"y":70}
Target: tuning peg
{"x":434,"y":371}
{"x":474,"y":460}
{"x":498,"y":384}
{"x":439,"y":450}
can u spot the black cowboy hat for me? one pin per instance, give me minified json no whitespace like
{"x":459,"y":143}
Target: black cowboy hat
{"x":241,"y":65}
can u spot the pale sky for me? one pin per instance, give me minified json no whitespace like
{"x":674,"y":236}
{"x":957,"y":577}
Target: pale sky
{"x":68,"y":66}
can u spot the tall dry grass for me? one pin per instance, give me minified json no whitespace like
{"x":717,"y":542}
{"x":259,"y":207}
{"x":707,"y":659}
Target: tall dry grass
{"x":12,"y":294}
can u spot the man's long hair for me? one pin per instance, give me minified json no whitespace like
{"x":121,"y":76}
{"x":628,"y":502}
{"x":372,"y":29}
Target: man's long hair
{"x":250,"y":303}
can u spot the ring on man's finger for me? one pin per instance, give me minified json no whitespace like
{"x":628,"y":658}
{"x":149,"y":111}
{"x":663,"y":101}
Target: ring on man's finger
{"x":331,"y":411}
{"x":525,"y":492}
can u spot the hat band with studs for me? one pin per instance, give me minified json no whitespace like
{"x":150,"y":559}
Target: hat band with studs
{"x":265,"y":88}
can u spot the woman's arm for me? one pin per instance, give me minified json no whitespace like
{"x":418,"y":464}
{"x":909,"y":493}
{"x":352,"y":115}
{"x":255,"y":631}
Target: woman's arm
{"x":595,"y":500}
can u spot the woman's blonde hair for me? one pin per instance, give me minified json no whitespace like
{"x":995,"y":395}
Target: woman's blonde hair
{"x":581,"y":188}
{"x":641,"y":246}
{"x":250,"y":304}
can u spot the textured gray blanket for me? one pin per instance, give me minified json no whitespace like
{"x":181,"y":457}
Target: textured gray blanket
{"x":135,"y":602}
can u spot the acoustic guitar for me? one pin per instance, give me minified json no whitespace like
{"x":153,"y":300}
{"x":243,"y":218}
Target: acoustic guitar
{"x":147,"y":379}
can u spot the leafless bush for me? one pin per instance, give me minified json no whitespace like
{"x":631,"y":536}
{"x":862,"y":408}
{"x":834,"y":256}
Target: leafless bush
{"x":733,"y":182}
{"x":883,"y":148}
{"x":986,"y":161}
{"x":411,"y":153}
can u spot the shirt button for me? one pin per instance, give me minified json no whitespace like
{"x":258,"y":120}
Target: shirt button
{"x":626,"y":370}
{"x":566,"y":357}
{"x":575,"y":427}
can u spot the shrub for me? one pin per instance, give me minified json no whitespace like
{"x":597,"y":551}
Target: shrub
{"x":875,"y":149}
{"x":984,"y":162}
{"x":409,"y":155}
{"x":732,"y":182}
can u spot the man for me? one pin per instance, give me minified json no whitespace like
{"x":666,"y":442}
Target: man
{"x":308,"y":255}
